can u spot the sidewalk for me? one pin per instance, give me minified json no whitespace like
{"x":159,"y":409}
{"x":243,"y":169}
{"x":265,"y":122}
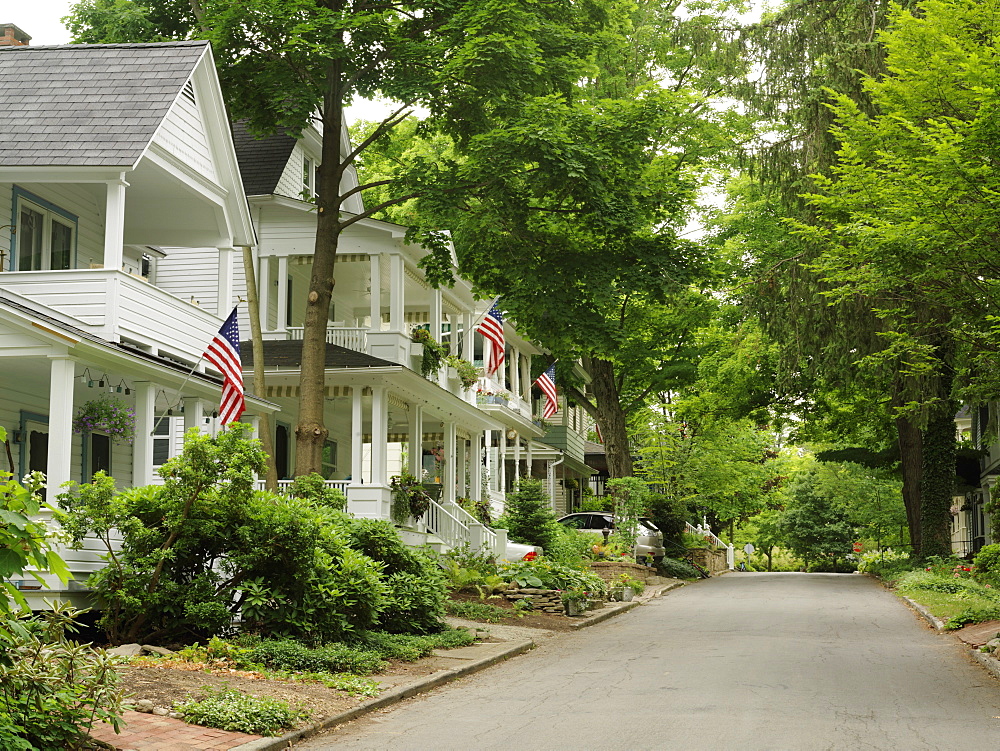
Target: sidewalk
{"x":146,"y":732}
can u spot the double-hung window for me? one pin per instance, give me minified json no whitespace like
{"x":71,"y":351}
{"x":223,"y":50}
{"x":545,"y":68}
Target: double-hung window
{"x":45,"y":235}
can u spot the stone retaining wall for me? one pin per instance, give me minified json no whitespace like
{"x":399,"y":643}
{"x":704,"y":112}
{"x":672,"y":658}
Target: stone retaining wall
{"x":545,"y":600}
{"x":714,"y":561}
{"x":611,"y":571}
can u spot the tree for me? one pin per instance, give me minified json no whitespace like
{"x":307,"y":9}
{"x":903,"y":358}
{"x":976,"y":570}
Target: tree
{"x":480,"y":67}
{"x":813,"y":527}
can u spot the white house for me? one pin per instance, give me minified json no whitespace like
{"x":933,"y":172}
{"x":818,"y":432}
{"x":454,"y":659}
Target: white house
{"x":111,"y":156}
{"x":123,"y":220}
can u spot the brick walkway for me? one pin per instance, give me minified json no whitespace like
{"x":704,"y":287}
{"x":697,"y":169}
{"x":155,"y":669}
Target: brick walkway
{"x":148,"y":732}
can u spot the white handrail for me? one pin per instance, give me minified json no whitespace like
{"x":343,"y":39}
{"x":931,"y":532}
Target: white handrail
{"x":446,"y":526}
{"x":355,"y":338}
{"x":285,"y":485}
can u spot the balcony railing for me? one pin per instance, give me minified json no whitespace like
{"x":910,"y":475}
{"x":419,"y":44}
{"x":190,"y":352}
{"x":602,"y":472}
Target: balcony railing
{"x":120,"y":307}
{"x":342,"y":336}
{"x":284,"y":486}
{"x":452,"y":526}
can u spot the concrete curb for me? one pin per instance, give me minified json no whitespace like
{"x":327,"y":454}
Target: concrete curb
{"x":937,"y":623}
{"x":624,"y":607}
{"x":393,"y":696}
{"x":987,"y":661}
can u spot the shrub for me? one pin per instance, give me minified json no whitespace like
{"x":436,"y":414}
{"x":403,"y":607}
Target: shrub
{"x":987,"y":563}
{"x":313,"y":488}
{"x":415,"y":602}
{"x":54,"y":690}
{"x":229,"y":709}
{"x":542,"y":572}
{"x":410,"y":647}
{"x":629,"y":494}
{"x":887,"y":564}
{"x":670,"y":516}
{"x":529,"y":516}
{"x":476,"y":611}
{"x":677,"y":569}
{"x":483,"y":562}
{"x":973,"y":615}
{"x":330,"y":658}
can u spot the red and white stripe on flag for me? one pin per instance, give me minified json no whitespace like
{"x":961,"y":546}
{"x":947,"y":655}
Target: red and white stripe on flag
{"x":491,"y":328}
{"x":547,"y":383}
{"x":223,"y":353}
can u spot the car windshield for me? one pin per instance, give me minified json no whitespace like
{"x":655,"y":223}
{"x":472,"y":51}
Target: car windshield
{"x":647,"y":523}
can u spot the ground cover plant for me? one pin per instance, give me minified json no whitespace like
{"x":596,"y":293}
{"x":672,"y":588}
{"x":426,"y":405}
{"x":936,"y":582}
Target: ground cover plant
{"x":949,"y":588}
{"x":232,"y":710}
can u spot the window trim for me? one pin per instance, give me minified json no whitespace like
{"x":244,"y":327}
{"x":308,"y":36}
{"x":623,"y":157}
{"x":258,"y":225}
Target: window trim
{"x":48,"y":208}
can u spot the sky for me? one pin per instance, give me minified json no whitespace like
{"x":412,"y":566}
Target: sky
{"x":39,"y":19}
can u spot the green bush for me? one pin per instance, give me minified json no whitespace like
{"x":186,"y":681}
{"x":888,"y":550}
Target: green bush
{"x":670,"y":515}
{"x":528,"y":515}
{"x":330,"y":658}
{"x":676,"y":569}
{"x":547,"y":574}
{"x":987,"y":563}
{"x":229,"y":709}
{"x":313,"y":488}
{"x":973,"y":615}
{"x":415,"y":602}
{"x":476,"y":611}
{"x":410,"y":647}
{"x":206,"y":539}
{"x":54,"y":690}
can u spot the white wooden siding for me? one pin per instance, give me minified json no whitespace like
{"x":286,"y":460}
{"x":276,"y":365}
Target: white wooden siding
{"x":190,"y":274}
{"x":183,"y":135}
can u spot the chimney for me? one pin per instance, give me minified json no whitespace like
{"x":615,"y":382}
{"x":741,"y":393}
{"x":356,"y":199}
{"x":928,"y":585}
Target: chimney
{"x":11,"y":36}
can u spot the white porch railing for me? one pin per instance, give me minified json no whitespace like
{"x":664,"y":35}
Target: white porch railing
{"x":349,"y":338}
{"x":455,"y":527}
{"x":285,"y":485}
{"x":708,"y":534}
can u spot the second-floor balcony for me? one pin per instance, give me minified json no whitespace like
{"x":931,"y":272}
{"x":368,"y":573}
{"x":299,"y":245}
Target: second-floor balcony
{"x":349,"y":337}
{"x":120,"y":308}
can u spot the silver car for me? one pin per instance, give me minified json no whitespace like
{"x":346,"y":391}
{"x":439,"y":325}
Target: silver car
{"x":649,"y":541}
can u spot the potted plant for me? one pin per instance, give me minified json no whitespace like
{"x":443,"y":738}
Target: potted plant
{"x":107,"y":415}
{"x":434,"y":353}
{"x":576,"y":601}
{"x":624,"y":588}
{"x":465,"y":371}
{"x":409,"y":499}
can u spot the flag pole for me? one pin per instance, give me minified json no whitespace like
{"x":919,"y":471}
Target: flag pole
{"x":180,"y":388}
{"x":479,"y":319}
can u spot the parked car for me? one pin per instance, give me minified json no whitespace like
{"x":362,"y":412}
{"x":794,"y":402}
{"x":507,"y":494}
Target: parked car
{"x":517,"y":551}
{"x":649,"y":541}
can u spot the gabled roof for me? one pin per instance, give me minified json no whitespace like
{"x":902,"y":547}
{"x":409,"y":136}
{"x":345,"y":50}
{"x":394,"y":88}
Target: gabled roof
{"x":262,"y":160}
{"x":88,"y":105}
{"x":288,"y":353}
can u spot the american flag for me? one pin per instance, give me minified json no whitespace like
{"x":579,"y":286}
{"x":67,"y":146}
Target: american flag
{"x":547,"y":383}
{"x":224,"y":354}
{"x":491,"y":327}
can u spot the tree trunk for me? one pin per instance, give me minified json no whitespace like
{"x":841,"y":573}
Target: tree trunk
{"x":259,"y":385}
{"x":610,"y":416}
{"x":937,"y":485}
{"x":311,"y":432}
{"x":910,"y":453}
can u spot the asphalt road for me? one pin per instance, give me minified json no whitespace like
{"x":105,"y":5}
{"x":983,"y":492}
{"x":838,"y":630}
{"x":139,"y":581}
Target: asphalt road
{"x":745,"y":661}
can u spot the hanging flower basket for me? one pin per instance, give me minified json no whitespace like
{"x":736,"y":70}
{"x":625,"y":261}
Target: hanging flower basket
{"x":106,"y":414}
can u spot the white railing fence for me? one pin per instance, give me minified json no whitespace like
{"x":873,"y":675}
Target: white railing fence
{"x":455,"y":527}
{"x":705,"y":531}
{"x":284,"y":486}
{"x":342,"y":336}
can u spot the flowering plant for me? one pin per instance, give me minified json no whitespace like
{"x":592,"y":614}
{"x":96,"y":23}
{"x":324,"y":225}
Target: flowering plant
{"x":108,"y":415}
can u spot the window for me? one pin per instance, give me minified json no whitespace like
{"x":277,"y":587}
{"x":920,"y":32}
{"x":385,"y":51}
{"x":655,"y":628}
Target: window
{"x":161,"y":440}
{"x":100,"y":454}
{"x":329,"y":461}
{"x":310,"y":178}
{"x":45,"y":235}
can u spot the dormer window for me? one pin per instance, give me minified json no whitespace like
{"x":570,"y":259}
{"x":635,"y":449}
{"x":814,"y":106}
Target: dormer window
{"x":310,"y":177}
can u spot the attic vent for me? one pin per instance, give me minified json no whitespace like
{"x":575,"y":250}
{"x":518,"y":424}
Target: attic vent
{"x":188,"y":92}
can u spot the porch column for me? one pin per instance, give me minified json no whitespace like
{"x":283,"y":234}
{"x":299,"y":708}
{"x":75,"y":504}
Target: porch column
{"x":142,"y":446}
{"x":224,"y":298}
{"x":60,"y":425}
{"x":476,"y":468}
{"x":264,"y":291}
{"x":450,"y":463}
{"x":491,"y":470}
{"x":357,"y":436}
{"x":254,"y":422}
{"x":114,"y":222}
{"x":461,"y":467}
{"x":380,"y":436}
{"x":416,"y":446}
{"x":194,"y":413}
{"x":282,"y":293}
{"x":502,"y":461}
{"x":376,"y":291}
{"x":515,"y":373}
{"x":397,"y":279}
{"x":527,"y":449}
{"x":436,"y":314}
{"x":517,"y":459}
{"x":468,"y":339}
{"x":526,"y":378}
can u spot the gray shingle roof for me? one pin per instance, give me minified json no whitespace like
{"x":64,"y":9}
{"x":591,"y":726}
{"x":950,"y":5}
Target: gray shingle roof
{"x":288,"y":353}
{"x":88,"y":105}
{"x":262,"y":161}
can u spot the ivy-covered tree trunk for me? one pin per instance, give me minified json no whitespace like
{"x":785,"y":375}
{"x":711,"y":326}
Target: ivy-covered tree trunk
{"x":937,"y":483}
{"x":610,"y":416}
{"x":911,"y":465}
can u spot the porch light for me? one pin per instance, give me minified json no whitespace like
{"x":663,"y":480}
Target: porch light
{"x":87,"y":377}
{"x":104,"y":378}
{"x":122,"y":386}
{"x":17,"y":436}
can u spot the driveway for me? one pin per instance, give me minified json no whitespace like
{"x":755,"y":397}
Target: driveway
{"x":745,"y":661}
